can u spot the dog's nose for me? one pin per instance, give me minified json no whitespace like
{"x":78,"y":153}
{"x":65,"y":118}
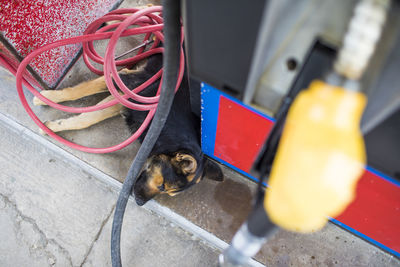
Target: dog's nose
{"x":140,"y":201}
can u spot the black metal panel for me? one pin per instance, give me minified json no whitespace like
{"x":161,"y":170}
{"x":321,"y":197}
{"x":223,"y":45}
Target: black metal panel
{"x":381,"y":120}
{"x":220,"y":39}
{"x":383,"y":146}
{"x":384,"y":97}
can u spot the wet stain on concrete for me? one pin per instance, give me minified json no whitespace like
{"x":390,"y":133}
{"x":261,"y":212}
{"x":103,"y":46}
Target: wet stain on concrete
{"x":234,"y":198}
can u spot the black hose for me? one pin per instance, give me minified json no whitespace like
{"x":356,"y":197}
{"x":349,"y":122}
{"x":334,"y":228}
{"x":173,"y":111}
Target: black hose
{"x":172,"y":31}
{"x":259,"y":223}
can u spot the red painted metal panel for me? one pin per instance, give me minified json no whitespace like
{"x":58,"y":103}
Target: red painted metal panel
{"x":240,"y":134}
{"x":376,"y":210}
{"x":26,"y":25}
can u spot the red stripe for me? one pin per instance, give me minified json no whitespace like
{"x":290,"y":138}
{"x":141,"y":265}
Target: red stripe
{"x":240,"y":134}
{"x":376,"y":210}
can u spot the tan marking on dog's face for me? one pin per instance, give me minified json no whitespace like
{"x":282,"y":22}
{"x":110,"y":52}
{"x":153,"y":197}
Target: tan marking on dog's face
{"x":190,"y":178}
{"x":171,"y":189}
{"x":164,"y":158}
{"x":155,"y":179}
{"x":182,"y":164}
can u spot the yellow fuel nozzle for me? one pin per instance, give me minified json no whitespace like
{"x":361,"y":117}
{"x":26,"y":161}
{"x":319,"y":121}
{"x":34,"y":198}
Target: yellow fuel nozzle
{"x":321,"y":153}
{"x":320,"y":158}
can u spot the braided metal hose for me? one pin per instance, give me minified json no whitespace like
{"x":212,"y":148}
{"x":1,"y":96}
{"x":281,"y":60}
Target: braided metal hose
{"x":359,"y":43}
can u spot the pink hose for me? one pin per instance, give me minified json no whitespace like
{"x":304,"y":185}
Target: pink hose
{"x":149,"y":23}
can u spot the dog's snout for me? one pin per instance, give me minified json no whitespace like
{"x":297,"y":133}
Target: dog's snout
{"x":140,"y":201}
{"x":141,"y":189}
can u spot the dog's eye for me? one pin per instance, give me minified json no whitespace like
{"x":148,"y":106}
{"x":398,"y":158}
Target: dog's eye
{"x":147,"y":166}
{"x":161,"y":187}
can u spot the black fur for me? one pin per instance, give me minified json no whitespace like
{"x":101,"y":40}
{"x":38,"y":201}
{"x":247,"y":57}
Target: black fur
{"x":181,"y":134}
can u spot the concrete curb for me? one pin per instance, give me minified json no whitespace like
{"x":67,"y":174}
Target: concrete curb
{"x":152,"y":205}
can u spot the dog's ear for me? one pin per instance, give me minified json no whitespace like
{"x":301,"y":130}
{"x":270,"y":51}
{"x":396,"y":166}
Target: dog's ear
{"x":212,"y":171}
{"x":186,"y":162}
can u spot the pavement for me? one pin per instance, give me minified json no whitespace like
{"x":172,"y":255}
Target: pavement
{"x":54,"y":211}
{"x":57,"y":204}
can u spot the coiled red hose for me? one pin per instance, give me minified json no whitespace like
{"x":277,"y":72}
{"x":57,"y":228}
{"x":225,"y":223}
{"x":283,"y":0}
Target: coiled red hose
{"x":150,"y":23}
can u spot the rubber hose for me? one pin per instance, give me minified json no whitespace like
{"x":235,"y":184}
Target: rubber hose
{"x":172,"y":33}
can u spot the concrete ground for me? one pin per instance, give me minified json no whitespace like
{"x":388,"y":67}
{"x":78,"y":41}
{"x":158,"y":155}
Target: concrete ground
{"x":55,"y":211}
{"x":56,"y":204}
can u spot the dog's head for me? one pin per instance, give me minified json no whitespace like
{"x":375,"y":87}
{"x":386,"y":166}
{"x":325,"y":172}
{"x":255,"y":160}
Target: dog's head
{"x":171,"y":174}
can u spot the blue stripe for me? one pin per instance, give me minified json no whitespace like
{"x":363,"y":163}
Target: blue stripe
{"x":209,"y":117}
{"x":376,"y":243}
{"x":383,"y":176}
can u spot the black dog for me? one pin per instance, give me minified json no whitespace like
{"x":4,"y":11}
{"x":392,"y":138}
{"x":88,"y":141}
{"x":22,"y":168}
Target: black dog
{"x":176,"y":161}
